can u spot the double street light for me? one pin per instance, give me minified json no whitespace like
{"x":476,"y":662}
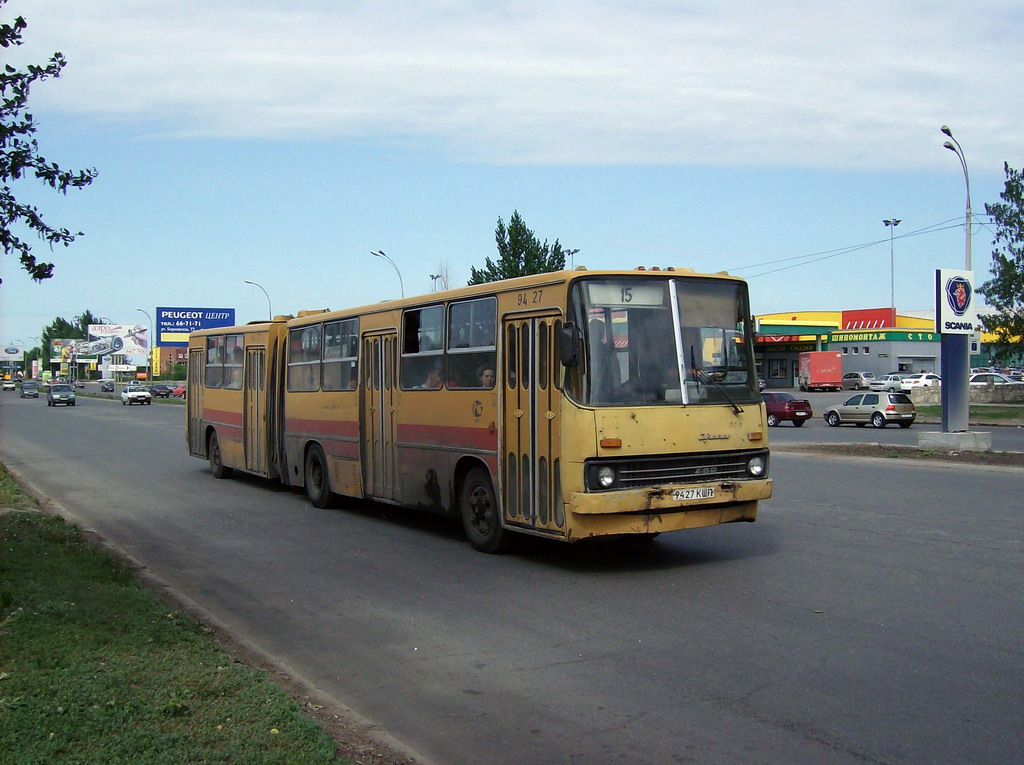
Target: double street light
{"x":382,"y":254}
{"x":891,"y":224}
{"x":954,"y":146}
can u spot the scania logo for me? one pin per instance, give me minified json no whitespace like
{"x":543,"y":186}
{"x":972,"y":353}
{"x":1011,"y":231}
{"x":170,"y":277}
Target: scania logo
{"x":958,"y":295}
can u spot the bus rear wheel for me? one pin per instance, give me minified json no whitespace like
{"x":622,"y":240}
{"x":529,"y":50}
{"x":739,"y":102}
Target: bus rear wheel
{"x":318,"y":481}
{"x":480,"y":515}
{"x":217,"y":466}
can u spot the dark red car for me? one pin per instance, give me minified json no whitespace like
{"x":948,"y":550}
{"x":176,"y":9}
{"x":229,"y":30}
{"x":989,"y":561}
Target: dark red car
{"x":786,"y":406}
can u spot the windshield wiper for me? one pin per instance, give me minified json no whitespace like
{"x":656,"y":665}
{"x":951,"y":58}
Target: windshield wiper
{"x":704,"y":377}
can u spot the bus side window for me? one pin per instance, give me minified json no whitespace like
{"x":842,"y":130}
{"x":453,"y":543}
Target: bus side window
{"x":339,"y":359}
{"x":214,"y":362}
{"x":471,"y":353}
{"x":422,"y":348}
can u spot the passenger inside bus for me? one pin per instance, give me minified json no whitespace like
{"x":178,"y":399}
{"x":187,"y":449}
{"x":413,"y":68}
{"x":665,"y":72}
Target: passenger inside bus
{"x":433,"y":379}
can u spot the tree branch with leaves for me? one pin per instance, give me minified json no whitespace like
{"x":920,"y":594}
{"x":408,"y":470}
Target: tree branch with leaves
{"x":1005,"y":290}
{"x":20,"y":157}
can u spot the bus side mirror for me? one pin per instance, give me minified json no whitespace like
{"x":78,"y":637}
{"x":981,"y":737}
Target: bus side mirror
{"x":569,"y":345}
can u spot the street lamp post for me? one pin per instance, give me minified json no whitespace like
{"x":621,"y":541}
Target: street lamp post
{"x":956,"y":349}
{"x":433,"y":281}
{"x":891,"y":224}
{"x":382,"y":254}
{"x":149,"y":359}
{"x":270,"y":312}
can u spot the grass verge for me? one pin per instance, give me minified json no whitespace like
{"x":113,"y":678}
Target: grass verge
{"x":992,"y":413}
{"x":96,"y":669}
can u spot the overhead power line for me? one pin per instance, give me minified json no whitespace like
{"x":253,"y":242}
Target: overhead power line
{"x":815,"y":257}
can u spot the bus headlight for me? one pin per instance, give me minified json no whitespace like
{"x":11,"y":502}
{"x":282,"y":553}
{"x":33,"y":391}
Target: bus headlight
{"x":755,"y":466}
{"x":605,"y":477}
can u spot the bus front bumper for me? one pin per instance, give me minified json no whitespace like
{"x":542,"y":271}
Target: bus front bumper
{"x":664,"y":508}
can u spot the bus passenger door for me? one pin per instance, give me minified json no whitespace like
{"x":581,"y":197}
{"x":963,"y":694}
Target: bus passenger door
{"x":194,"y":401}
{"x":379,"y":381}
{"x":531,"y":484}
{"x":255,"y":394}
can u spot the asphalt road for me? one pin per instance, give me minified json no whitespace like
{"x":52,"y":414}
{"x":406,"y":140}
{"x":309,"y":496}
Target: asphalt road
{"x":874,"y":613}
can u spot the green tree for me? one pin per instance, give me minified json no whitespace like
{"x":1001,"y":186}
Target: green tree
{"x":520,"y":253}
{"x":1004,"y":292}
{"x":61,"y":328}
{"x":19,"y":156}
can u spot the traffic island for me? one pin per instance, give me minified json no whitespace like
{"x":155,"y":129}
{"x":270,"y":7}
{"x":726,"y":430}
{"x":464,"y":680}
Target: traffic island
{"x":962,"y":441}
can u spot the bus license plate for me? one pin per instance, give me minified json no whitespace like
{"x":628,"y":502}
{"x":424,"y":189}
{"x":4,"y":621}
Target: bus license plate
{"x":704,"y":493}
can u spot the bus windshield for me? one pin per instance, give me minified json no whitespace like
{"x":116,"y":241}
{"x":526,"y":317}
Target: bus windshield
{"x":663,"y":341}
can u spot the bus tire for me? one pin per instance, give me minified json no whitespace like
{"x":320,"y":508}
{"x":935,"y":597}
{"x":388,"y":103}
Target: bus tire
{"x":318,"y":480}
{"x":217,"y":466}
{"x":481,"y":517}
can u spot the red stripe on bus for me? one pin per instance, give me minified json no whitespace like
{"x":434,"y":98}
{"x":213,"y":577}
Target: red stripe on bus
{"x":449,"y":435}
{"x":344,"y":428}
{"x":220,"y":415}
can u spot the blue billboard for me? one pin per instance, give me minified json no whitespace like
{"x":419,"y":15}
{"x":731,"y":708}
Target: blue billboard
{"x":174,"y":324}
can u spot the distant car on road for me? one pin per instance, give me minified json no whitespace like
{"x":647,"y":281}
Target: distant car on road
{"x":8,"y":385}
{"x":993,"y":378}
{"x":857,"y":380}
{"x":106,"y":386}
{"x":879,"y":409}
{"x":179,"y":392}
{"x":135,"y":394}
{"x":922,"y":380}
{"x":785,"y":406}
{"x":160,"y":390}
{"x":890,"y":383}
{"x":29,"y":389}
{"x":60,"y":393}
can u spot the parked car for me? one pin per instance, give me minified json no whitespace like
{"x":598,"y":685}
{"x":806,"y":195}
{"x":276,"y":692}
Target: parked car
{"x":994,"y":378}
{"x":857,"y":380}
{"x":8,"y":384}
{"x":60,"y":393}
{"x":785,"y":406}
{"x":29,"y":389}
{"x":922,"y":380}
{"x":890,"y":383}
{"x":106,"y":386}
{"x":179,"y":392}
{"x":879,"y":409}
{"x":78,"y":383}
{"x":133,"y":393}
{"x":160,"y":390}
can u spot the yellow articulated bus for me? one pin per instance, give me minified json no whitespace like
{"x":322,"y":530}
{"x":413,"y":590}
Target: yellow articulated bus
{"x":568,"y":405}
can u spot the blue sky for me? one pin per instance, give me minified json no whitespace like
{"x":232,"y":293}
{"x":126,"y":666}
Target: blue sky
{"x":281,"y":142}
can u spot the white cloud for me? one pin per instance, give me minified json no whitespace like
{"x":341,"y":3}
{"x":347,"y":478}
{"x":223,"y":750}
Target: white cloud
{"x":818,"y":84}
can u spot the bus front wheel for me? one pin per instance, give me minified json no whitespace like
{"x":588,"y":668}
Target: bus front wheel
{"x":318,"y":482}
{"x":480,"y":515}
{"x":217,"y":466}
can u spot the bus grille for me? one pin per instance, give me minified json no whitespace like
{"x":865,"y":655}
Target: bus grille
{"x":690,"y":468}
